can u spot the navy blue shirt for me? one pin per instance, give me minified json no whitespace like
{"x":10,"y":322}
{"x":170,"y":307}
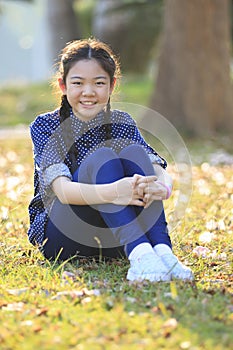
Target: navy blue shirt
{"x":52,"y":160}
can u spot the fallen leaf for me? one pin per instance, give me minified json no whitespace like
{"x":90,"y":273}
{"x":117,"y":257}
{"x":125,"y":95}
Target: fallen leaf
{"x":86,"y":300}
{"x":169,"y":326}
{"x":170,"y":323}
{"x":68,"y":275}
{"x":76,"y":293}
{"x":14,"y":307}
{"x":2,"y":303}
{"x":28,"y":323}
{"x":206,"y":237}
{"x":43,"y":311}
{"x":211,"y":225}
{"x":17,"y":292}
{"x":201,"y":251}
{"x":185,"y":345}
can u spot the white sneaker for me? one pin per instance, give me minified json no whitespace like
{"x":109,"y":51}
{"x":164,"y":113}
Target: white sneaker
{"x":148,"y":267}
{"x":176,"y":268}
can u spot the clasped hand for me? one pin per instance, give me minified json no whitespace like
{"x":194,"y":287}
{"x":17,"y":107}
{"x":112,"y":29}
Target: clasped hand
{"x":138,"y":190}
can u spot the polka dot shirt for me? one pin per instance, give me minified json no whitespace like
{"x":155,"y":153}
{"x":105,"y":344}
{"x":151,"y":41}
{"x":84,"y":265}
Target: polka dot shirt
{"x":52,"y":160}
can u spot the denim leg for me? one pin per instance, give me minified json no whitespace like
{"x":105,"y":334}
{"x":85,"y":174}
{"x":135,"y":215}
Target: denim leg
{"x":77,"y":233}
{"x":152,"y":220}
{"x":73,"y":229}
{"x":64,"y":234}
{"x":104,"y":166}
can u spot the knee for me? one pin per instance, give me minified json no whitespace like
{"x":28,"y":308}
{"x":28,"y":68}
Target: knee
{"x":102,"y":166}
{"x":108,"y":167}
{"x":136,"y":160}
{"x":99,"y":157}
{"x":133,"y":151}
{"x":106,"y":153}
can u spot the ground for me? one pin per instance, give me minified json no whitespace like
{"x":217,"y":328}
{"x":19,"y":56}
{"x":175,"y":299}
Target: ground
{"x":88,"y":305}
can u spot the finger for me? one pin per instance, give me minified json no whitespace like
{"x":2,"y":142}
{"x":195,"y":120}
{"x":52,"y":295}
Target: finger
{"x":155,"y":191}
{"x":140,"y":192}
{"x":157,"y":198}
{"x":136,"y":179}
{"x":147,"y":198}
{"x":147,"y":187}
{"x":146,"y":179}
{"x":142,"y":188}
{"x":151,"y":178}
{"x":148,"y":204}
{"x":137,"y":202}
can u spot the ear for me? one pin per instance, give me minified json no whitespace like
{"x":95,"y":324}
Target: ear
{"x":62,"y":85}
{"x":112,"y":85}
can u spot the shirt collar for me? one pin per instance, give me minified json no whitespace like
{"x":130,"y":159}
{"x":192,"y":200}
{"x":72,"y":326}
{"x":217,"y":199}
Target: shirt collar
{"x":79,"y":125}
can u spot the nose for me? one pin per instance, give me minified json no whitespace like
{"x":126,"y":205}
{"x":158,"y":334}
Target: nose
{"x":88,"y":91}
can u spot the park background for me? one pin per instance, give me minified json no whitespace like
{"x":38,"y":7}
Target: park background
{"x":176,"y":58}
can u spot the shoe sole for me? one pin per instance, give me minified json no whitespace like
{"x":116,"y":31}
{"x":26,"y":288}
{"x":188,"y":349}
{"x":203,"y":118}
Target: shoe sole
{"x":182,"y":278}
{"x":131,"y":276}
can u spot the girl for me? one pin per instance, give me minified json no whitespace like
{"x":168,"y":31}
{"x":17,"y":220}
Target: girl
{"x":95,"y":184}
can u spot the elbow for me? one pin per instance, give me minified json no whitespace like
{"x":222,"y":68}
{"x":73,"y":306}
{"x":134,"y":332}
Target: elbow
{"x":59,"y":187}
{"x":170,"y":179}
{"x":62,"y":199}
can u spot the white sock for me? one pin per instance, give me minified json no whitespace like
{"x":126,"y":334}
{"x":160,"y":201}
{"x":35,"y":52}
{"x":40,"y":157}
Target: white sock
{"x":140,"y":250}
{"x":162,"y":249}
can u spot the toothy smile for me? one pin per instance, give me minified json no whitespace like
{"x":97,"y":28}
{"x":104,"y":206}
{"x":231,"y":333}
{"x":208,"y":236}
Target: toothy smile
{"x":88,"y":103}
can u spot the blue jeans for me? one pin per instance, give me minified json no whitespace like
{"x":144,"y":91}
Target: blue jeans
{"x":114,"y":230}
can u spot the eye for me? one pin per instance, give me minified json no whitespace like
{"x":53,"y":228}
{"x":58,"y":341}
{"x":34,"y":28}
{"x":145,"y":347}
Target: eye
{"x":77,"y":83}
{"x":100,"y":82}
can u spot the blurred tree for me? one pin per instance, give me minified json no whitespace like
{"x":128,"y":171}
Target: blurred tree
{"x":24,"y":0}
{"x":63,"y":25}
{"x":193,"y":88}
{"x":131,"y":27}
{"x":84,"y":10}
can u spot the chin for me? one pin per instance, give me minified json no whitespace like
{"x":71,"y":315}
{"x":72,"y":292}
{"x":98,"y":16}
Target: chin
{"x":90,"y":113}
{"x":87,"y":116}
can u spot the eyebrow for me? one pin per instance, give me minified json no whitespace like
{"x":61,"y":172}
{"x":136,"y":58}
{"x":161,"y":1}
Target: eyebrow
{"x":81,"y":78}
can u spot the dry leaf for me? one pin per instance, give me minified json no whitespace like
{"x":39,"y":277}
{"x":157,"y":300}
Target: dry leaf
{"x":201,"y":251}
{"x":17,"y":292}
{"x":14,"y":307}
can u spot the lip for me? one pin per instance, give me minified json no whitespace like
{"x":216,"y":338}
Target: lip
{"x":85,"y":105}
{"x":88,"y":103}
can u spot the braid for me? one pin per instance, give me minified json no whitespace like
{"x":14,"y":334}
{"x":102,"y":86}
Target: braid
{"x":108,"y":124}
{"x":64,"y":109}
{"x":66,"y":132}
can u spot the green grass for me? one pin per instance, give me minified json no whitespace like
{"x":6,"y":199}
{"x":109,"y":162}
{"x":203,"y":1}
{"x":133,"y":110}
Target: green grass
{"x":109,"y":312}
{"x":21,"y":104}
{"x":135,"y":89}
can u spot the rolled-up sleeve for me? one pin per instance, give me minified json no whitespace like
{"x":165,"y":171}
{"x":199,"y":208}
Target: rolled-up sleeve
{"x":54,"y":171}
{"x":156,"y":159}
{"x":49,"y":152}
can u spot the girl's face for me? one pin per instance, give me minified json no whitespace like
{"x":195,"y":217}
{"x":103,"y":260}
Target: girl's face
{"x":87,"y":87}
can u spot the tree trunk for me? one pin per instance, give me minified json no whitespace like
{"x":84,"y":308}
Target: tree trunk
{"x":62,"y":25}
{"x":130,"y":29}
{"x":111,"y":26}
{"x":193,"y":88}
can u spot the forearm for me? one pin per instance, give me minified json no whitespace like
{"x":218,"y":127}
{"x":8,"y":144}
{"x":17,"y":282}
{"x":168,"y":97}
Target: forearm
{"x":75,"y":193}
{"x":162,"y":175}
{"x":164,"y":179}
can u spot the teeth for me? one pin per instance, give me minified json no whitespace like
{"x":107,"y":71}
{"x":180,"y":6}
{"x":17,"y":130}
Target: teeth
{"x":87,"y":103}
